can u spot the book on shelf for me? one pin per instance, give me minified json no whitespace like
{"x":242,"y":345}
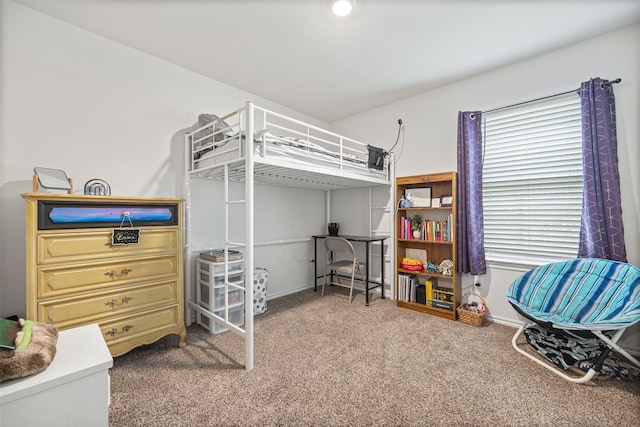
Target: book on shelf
{"x":428,"y":286}
{"x":217,"y":255}
{"x":443,"y":295}
{"x":442,"y":304}
{"x":435,"y":231}
{"x":407,"y":284}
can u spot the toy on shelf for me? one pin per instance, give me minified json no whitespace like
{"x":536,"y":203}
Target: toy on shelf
{"x":432,"y":268}
{"x":446,"y":267}
{"x":412,"y":264}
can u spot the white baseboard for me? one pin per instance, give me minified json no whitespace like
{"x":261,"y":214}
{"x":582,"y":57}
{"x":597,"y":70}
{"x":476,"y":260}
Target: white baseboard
{"x":281,"y":294}
{"x":505,"y":321}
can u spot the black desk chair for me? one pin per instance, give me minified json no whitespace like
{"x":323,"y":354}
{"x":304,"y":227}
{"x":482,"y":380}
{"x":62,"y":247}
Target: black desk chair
{"x":341,"y":259}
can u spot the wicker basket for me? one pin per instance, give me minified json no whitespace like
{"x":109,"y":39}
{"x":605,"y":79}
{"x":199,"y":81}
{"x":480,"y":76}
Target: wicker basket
{"x":471,"y":317}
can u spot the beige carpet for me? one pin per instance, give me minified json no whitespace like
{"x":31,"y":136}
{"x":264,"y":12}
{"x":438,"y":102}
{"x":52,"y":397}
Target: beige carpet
{"x":321,"y":362}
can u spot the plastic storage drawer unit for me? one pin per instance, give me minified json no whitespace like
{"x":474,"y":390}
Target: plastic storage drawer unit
{"x":236,"y":317}
{"x":215,"y":295}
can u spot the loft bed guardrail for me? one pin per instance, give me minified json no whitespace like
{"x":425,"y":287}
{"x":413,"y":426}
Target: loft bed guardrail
{"x":286,"y":152}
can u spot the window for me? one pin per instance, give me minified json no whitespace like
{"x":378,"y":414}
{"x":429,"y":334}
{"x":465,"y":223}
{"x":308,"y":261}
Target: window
{"x":532,"y":181}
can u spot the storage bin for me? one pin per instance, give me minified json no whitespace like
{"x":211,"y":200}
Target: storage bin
{"x":210,"y":290}
{"x":237,"y":278}
{"x":260,"y":277}
{"x":210,"y":283}
{"x":236,"y":297}
{"x":217,"y":268}
{"x":236,"y":317}
{"x":465,"y":315}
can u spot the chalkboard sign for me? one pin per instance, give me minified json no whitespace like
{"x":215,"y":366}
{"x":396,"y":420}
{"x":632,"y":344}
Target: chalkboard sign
{"x":125,"y":236}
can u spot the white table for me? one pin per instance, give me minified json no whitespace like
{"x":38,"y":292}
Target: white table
{"x":72,"y":391}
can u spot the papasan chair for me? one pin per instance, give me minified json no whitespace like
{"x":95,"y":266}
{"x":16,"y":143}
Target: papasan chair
{"x":577,"y":312}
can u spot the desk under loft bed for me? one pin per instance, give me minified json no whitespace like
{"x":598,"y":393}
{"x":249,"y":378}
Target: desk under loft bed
{"x":256,"y":147}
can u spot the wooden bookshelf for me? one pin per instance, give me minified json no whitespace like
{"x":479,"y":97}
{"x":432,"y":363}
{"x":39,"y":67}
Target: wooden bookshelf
{"x":438,"y":247}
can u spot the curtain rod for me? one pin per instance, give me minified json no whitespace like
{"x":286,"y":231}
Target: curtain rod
{"x":618,"y":80}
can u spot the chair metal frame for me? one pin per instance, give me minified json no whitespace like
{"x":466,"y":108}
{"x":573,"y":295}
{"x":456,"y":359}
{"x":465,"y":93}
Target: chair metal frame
{"x":611,"y":345}
{"x":337,"y":249}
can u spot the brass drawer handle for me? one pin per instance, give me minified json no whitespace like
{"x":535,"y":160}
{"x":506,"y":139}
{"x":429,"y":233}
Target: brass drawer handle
{"x":126,"y":299}
{"x":112,"y":332}
{"x":111,"y":274}
{"x":126,"y":271}
{"x":111,"y":303}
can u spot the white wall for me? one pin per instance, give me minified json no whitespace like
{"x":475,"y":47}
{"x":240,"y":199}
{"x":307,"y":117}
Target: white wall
{"x":76,"y":101}
{"x":431,"y":128}
{"x":284,"y":220}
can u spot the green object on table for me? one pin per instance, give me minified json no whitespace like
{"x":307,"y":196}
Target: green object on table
{"x":26,"y":339}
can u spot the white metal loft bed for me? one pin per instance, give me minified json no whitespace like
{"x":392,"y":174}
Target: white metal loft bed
{"x":282,"y":151}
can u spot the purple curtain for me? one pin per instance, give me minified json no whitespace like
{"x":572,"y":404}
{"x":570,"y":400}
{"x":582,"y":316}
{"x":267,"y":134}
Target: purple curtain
{"x":601,"y":231}
{"x":470,"y":219}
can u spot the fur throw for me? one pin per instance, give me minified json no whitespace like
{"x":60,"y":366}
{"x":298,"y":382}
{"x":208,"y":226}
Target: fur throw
{"x":33,"y":358}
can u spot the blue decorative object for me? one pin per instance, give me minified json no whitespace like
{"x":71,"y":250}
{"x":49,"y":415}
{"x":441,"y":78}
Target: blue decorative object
{"x":97,"y":187}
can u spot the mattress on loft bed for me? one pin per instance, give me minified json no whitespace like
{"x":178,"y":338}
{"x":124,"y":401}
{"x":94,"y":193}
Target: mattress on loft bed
{"x":297,"y":152}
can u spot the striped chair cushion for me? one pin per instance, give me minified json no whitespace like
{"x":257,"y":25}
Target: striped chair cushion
{"x":585,"y":293}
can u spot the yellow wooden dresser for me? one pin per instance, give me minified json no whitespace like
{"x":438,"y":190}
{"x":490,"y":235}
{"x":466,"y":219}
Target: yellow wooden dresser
{"x":115,"y":261}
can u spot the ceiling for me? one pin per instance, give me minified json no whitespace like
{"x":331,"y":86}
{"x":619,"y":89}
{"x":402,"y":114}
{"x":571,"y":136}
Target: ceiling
{"x":295,"y":53}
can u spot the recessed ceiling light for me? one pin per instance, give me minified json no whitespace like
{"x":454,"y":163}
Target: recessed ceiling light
{"x":342,"y":7}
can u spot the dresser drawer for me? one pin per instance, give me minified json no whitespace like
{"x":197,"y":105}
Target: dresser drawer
{"x":88,"y":245}
{"x":144,"y":328}
{"x":66,"y":279}
{"x":95,"y":307}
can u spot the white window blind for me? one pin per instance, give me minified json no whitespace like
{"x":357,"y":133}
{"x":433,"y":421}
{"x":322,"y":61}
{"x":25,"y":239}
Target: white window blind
{"x":532,"y":181}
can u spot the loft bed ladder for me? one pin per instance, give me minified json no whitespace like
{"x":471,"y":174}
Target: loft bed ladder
{"x":377,"y":212}
{"x":379,"y":227}
{"x":246,"y":330}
